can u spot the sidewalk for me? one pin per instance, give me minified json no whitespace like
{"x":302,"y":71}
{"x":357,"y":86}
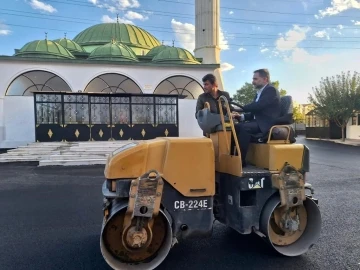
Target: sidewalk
{"x":353,"y":142}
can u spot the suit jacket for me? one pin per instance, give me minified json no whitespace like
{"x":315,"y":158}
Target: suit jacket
{"x":266,"y":110}
{"x":214,"y":108}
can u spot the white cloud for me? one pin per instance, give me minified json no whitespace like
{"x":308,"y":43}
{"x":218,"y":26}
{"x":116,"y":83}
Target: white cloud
{"x":4,"y":31}
{"x":135,"y":16}
{"x":288,"y":47}
{"x":114,"y":6}
{"x":231,"y":12}
{"x":108,"y":19}
{"x":36,"y":4}
{"x":292,"y":38}
{"x":305,"y":5}
{"x":241,"y":49}
{"x":264,"y":50}
{"x":303,"y":68}
{"x":322,"y":34}
{"x":223,"y":41}
{"x":301,"y":56}
{"x":338,"y":6}
{"x":185,"y":34}
{"x":226,"y":66}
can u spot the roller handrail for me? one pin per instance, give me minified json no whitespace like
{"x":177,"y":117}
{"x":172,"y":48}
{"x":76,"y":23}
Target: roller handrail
{"x":279,"y":126}
{"x":231,"y":125}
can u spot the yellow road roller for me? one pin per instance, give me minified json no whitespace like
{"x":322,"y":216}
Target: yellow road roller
{"x":161,"y":191}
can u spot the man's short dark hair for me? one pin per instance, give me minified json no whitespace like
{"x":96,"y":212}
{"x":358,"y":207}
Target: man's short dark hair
{"x":263,"y":73}
{"x":209,"y":77}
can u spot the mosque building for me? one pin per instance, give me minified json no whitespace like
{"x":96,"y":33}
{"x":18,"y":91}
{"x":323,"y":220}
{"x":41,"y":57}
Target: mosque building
{"x":112,"y":81}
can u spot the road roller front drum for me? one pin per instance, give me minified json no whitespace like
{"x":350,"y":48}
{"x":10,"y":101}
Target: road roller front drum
{"x":120,"y":257}
{"x":136,"y":233}
{"x":291,"y":231}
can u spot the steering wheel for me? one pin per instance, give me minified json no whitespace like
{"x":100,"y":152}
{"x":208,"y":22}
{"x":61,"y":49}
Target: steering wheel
{"x":238,"y":105}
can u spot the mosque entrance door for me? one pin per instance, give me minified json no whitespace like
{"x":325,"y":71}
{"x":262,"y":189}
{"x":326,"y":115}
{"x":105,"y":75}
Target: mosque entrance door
{"x":104,"y":117}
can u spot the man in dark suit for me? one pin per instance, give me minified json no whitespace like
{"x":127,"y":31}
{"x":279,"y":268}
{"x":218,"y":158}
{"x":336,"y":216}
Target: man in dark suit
{"x":262,"y":112}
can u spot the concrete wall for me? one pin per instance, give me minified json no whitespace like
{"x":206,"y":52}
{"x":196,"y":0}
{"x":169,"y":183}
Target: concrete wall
{"x":19,"y":121}
{"x":353,"y":131}
{"x":188,"y":126}
{"x":2,"y":126}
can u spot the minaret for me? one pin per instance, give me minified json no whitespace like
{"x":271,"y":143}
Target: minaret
{"x":207,"y":34}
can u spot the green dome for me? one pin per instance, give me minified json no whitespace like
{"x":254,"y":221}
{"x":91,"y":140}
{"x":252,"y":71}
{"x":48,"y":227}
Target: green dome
{"x":72,"y":46}
{"x":154,"y":51}
{"x":44,"y":49}
{"x":175,"y":55}
{"x":113,"y":51}
{"x":127,"y":34}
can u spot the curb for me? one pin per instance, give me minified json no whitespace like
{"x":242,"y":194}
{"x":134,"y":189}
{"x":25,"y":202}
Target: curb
{"x":335,"y":141}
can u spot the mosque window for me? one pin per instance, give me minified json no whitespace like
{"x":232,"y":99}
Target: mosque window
{"x":180,"y":85}
{"x":113,"y":83}
{"x":37,"y":80}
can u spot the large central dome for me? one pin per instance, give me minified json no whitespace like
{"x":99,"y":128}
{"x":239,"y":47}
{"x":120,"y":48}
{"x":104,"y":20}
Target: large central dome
{"x":136,"y":38}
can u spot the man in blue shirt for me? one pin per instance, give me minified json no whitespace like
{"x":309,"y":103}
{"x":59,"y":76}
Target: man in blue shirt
{"x":260,"y":115}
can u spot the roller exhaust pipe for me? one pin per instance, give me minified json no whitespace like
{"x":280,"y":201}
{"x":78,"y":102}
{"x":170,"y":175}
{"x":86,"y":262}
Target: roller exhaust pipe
{"x":307,"y":234}
{"x":110,"y":241}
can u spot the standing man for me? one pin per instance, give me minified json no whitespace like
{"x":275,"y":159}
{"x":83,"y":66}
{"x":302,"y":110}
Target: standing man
{"x":211,"y":95}
{"x":262,"y":113}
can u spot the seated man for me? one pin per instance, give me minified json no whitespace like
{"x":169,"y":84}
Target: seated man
{"x":262,"y":112}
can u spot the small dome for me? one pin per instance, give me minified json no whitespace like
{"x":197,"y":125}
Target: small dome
{"x":113,"y":51}
{"x":175,"y":55}
{"x":127,"y":34}
{"x":154,"y":51}
{"x":44,"y":49}
{"x":72,"y":46}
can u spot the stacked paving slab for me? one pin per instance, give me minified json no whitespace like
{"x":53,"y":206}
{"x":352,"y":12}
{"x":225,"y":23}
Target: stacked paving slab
{"x":63,"y":153}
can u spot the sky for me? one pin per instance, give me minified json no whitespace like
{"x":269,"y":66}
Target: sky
{"x":299,"y":41}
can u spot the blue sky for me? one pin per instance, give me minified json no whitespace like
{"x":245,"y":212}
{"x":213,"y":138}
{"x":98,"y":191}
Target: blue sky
{"x":298,"y":41}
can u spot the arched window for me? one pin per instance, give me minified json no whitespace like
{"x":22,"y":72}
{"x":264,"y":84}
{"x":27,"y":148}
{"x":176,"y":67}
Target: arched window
{"x":180,"y":85}
{"x":36,"y":80}
{"x":113,"y":83}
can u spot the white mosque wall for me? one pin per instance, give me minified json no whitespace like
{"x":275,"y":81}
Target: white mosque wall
{"x":19,"y":121}
{"x":188,"y":126}
{"x":2,"y":127}
{"x":77,"y":76}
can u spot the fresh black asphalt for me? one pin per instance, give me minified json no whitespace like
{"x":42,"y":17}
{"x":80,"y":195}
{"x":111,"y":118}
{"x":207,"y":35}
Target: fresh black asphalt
{"x":50,"y":218}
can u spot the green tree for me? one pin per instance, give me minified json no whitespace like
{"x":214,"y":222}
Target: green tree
{"x":336,"y":98}
{"x":297,"y":115}
{"x":247,"y":92}
{"x":276,"y":84}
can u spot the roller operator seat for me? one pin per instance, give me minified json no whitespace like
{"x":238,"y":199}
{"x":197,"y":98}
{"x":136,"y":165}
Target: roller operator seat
{"x":285,"y":119}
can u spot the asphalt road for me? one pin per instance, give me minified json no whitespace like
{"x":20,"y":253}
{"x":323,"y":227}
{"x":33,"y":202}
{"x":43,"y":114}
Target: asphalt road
{"x":50,"y":219}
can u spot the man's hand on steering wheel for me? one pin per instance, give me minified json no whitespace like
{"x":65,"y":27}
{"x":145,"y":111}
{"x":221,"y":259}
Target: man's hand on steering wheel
{"x":238,"y":105}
